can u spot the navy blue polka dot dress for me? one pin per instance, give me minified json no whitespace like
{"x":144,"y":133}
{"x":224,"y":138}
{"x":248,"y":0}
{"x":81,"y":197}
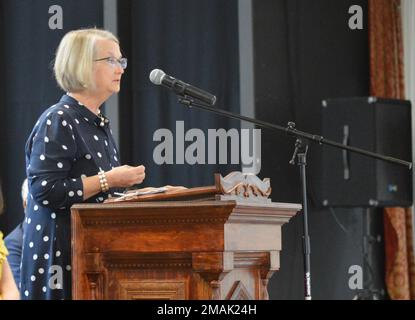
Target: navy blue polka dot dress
{"x":68,"y":143}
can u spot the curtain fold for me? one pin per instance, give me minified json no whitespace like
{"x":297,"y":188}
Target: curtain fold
{"x":201,"y":49}
{"x":386,"y":49}
{"x":27,"y":85}
{"x":387,"y":81}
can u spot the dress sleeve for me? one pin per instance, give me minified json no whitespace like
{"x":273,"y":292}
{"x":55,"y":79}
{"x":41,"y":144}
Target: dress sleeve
{"x":52,"y":156}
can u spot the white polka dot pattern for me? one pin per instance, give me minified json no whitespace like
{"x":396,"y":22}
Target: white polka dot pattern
{"x":70,"y":145}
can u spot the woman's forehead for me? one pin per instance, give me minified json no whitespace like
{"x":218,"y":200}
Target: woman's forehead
{"x":108,"y":47}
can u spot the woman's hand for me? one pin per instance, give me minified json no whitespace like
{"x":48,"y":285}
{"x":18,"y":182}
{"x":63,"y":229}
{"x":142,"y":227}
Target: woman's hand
{"x":125,"y":176}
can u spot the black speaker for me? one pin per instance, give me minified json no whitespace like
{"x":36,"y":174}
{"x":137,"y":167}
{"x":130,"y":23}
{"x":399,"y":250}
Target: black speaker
{"x":379,"y":125}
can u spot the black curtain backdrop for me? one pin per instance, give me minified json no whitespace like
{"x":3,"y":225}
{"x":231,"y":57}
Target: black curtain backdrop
{"x":27,"y":85}
{"x":2,"y":102}
{"x":194,"y":41}
{"x":305,"y":52}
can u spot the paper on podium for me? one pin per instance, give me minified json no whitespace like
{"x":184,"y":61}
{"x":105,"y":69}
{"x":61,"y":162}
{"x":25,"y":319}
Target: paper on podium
{"x":165,"y":193}
{"x":140,"y":193}
{"x":243,"y":187}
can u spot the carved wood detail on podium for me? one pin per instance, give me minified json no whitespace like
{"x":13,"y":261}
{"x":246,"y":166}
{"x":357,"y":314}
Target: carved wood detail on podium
{"x":96,"y":287}
{"x":152,"y":289}
{"x":239,"y":292}
{"x":243,"y":186}
{"x":267,"y":272}
{"x":215,"y":286}
{"x":251,"y":259}
{"x":224,"y":248}
{"x":137,"y":260}
{"x":264,"y":286}
{"x":234,"y":186}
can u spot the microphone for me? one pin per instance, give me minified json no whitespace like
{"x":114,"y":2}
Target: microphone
{"x":158,"y":77}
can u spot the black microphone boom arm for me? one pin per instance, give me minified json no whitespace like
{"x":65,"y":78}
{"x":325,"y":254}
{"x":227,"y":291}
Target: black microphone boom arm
{"x":290,"y":129}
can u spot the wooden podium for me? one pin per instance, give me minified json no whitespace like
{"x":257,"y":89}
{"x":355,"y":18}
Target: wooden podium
{"x":218,"y":242}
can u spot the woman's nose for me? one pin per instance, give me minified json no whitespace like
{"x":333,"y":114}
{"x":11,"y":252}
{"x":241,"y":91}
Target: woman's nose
{"x":119,"y":69}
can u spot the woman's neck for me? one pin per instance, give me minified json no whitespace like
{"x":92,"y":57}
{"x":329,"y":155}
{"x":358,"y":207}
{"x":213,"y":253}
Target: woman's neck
{"x":90,"y":101}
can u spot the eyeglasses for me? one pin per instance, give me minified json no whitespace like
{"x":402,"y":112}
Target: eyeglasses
{"x":114,"y":61}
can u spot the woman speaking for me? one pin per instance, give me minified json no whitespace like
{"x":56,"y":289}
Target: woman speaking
{"x":71,"y":157}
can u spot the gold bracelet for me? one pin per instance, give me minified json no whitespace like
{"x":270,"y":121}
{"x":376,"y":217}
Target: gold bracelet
{"x":103,"y":181}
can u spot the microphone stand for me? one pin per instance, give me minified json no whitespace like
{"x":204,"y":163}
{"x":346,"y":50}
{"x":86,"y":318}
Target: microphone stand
{"x":300,"y":152}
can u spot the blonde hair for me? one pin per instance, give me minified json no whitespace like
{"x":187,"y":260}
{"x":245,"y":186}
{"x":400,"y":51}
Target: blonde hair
{"x":75,"y":56}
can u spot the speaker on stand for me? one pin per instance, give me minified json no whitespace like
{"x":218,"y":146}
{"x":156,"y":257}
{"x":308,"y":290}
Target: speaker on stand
{"x":355,"y":181}
{"x":372,"y":246}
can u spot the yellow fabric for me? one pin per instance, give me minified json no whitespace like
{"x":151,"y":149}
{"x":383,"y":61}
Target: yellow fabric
{"x":3,"y":252}
{"x":3,"y":255}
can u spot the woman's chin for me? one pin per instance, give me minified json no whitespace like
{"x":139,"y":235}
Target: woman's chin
{"x":115,"y":88}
